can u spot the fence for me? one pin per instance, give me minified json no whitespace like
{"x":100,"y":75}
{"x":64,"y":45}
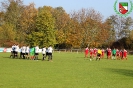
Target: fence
{"x":69,"y":50}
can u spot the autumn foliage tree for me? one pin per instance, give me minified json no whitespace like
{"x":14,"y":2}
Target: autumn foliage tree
{"x":62,"y":21}
{"x":86,"y":26}
{"x":26,"y":22}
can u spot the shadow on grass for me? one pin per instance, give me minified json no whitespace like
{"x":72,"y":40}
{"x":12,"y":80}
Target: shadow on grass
{"x":8,"y":57}
{"x":125,"y":72}
{"x":39,"y":59}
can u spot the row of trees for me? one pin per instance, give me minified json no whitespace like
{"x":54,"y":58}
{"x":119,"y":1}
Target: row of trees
{"x":44,"y":26}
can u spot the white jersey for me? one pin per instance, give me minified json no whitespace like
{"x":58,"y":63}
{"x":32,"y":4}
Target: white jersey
{"x":16,"y":48}
{"x":43,"y":50}
{"x":13,"y":48}
{"x":27,"y":49}
{"x":46,"y":50}
{"x":50,"y":50}
{"x":36,"y":49}
{"x":23,"y":49}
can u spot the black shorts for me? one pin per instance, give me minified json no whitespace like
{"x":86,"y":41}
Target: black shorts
{"x":13,"y":52}
{"x":47,"y":53}
{"x":26,"y":53}
{"x":36,"y":53}
{"x":23,"y":53}
{"x":98,"y":54}
{"x":16,"y":52}
{"x":50,"y":54}
{"x":114,"y":55}
{"x":43,"y":54}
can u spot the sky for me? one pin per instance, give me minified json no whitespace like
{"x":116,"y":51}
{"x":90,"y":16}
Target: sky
{"x":105,"y":7}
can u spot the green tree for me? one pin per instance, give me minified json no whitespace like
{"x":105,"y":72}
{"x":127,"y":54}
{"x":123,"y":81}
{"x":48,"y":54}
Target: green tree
{"x":44,"y":35}
{"x":12,"y":10}
{"x":120,"y":25}
{"x":128,"y":25}
{"x":7,"y":34}
{"x":120,"y":30}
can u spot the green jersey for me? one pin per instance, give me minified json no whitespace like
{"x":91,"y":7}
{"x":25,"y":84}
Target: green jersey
{"x":32,"y":51}
{"x":114,"y":51}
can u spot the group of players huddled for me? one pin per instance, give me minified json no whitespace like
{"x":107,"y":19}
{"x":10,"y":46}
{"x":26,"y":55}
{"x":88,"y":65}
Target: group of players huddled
{"x":31,"y":53}
{"x":97,"y":54}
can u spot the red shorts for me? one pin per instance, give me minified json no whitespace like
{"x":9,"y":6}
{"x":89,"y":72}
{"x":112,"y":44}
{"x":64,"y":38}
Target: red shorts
{"x":125,"y":55}
{"x":109,"y":54}
{"x":117,"y":54}
{"x":102,"y":54}
{"x":86,"y":53}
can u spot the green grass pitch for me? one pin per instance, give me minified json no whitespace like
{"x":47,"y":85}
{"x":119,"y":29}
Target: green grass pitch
{"x":68,"y":70}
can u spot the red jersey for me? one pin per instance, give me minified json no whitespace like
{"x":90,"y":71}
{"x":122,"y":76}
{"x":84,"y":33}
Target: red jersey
{"x":125,"y":53}
{"x":95,"y":51}
{"x":91,"y":52}
{"x":109,"y":52}
{"x":120,"y":53}
{"x":86,"y":51}
{"x":117,"y":52}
